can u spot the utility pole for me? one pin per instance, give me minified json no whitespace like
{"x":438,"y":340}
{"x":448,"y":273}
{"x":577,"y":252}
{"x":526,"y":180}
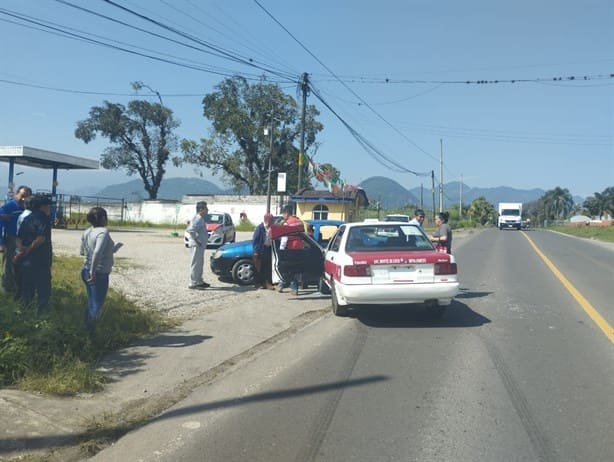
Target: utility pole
{"x":268,"y":185}
{"x":433,"y":190}
{"x":460,"y":201}
{"x":304,"y":90}
{"x":421,"y":196}
{"x":440,"y":175}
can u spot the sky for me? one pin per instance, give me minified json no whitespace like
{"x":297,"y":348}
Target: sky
{"x":517,"y":94}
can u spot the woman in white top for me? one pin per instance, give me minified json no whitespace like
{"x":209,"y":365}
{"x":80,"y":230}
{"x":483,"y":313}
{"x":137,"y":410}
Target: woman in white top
{"x":97,"y":247}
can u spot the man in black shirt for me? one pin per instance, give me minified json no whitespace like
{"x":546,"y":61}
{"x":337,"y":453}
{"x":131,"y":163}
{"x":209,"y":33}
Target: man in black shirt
{"x":34,"y":254}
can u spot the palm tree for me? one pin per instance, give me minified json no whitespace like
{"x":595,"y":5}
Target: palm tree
{"x":559,"y":202}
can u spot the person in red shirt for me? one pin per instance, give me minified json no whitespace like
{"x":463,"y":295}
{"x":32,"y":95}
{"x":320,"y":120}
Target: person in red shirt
{"x":291,"y":243}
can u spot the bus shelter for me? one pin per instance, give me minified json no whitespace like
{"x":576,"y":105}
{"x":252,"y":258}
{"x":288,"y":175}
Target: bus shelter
{"x":41,"y":158}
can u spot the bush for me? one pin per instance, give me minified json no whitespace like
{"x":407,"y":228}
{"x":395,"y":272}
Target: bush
{"x":52,"y":352}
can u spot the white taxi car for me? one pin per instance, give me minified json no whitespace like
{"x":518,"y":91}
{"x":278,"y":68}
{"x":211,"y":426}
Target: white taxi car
{"x":386,"y":263}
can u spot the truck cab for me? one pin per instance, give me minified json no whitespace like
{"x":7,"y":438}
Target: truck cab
{"x":510,"y":215}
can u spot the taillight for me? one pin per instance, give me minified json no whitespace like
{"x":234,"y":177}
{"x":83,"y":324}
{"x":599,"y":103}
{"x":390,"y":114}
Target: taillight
{"x":445,"y":268}
{"x":357,"y":270}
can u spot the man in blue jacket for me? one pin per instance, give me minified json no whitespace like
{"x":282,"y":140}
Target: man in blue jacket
{"x":9,"y":213}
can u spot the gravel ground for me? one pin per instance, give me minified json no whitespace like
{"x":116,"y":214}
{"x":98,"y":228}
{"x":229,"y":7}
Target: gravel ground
{"x":153,"y":267}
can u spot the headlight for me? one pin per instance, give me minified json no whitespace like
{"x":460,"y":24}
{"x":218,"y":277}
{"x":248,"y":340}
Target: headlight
{"x":218,"y":254}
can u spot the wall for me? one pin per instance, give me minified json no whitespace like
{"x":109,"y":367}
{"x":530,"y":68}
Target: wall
{"x":171,"y":212}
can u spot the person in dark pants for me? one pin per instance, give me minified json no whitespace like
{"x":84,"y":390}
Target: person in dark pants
{"x":33,"y":257}
{"x":9,"y":213}
{"x":291,"y":244}
{"x":262,"y":253}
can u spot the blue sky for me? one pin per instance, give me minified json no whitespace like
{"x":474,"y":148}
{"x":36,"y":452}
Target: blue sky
{"x":526,"y":131}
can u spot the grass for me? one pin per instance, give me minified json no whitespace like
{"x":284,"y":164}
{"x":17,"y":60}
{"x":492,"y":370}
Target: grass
{"x":602,"y":233}
{"x":52,"y":353}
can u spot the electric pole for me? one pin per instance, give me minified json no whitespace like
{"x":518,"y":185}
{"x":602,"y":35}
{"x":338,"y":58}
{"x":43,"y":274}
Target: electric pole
{"x":433,"y":190}
{"x":440,"y":175}
{"x":304,"y":90}
{"x":460,"y":200}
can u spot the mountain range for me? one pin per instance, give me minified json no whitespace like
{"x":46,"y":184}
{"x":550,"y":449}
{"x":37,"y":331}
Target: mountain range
{"x":389,"y":193}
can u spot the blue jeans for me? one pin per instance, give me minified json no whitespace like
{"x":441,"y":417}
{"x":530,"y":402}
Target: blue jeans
{"x":96,"y":294}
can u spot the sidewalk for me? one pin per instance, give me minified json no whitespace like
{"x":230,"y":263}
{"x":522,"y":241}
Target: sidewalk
{"x":156,"y":372}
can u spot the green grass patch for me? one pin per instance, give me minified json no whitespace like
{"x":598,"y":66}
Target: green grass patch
{"x":602,"y":233}
{"x":52,"y":353}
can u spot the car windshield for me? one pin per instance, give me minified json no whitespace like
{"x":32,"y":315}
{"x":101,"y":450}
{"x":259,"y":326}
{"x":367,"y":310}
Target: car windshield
{"x":377,"y":238}
{"x":214,"y":218}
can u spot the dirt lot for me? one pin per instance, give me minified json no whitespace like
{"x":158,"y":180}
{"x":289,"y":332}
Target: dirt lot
{"x":152,"y":268}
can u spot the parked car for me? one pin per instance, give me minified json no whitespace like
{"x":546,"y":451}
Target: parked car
{"x":404,"y":218}
{"x":220,"y":228}
{"x":386,"y":263}
{"x":323,"y":230}
{"x":233,"y":262}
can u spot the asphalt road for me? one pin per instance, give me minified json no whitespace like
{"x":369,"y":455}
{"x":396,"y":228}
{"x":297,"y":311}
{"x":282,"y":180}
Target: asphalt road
{"x":517,"y":370}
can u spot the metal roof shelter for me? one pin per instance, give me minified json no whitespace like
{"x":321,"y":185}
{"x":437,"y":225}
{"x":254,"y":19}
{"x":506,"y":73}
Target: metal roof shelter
{"x":40,"y":158}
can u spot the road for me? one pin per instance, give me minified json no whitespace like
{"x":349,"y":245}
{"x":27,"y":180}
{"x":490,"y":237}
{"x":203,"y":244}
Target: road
{"x":517,"y":370}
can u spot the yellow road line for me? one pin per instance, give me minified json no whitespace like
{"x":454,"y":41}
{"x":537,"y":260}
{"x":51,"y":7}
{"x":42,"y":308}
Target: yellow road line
{"x":584,"y":303}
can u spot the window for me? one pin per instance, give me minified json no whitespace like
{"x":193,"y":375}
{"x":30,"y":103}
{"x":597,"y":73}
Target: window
{"x":320,"y":212}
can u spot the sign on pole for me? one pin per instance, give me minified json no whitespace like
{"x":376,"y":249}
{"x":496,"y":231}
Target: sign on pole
{"x":281,"y":182}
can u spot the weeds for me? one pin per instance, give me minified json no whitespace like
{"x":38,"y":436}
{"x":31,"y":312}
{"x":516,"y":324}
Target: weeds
{"x":52,"y":353}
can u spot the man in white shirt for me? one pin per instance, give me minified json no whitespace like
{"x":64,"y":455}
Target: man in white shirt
{"x":418,"y":218}
{"x":197,"y":229}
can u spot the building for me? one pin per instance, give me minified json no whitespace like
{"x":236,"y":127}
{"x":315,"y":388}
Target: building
{"x":326,"y":205}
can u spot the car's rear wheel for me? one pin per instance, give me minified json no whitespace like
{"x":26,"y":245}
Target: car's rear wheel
{"x":338,"y":310}
{"x":243,"y":272}
{"x":434,"y":309}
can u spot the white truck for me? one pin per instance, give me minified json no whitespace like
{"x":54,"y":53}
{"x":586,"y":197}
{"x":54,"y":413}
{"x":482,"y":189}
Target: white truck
{"x":510,"y":215}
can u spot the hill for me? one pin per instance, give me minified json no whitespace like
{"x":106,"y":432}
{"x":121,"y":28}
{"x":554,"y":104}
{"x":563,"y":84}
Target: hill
{"x":171,"y":188}
{"x":388,"y":192}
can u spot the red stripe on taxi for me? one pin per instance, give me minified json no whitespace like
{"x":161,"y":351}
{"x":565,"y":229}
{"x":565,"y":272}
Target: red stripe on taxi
{"x":398,"y":258}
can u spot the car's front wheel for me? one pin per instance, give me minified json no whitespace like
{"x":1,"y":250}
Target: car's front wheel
{"x":338,"y":310}
{"x":243,"y":272}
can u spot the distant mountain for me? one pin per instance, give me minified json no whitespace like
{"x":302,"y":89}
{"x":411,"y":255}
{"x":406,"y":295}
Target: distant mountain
{"x":388,"y":192}
{"x":171,"y":188}
{"x":392,"y":195}
{"x":452,"y":192}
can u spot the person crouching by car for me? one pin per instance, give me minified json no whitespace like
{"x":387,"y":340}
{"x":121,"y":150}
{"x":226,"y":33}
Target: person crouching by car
{"x":262,"y":253}
{"x":197,"y":229}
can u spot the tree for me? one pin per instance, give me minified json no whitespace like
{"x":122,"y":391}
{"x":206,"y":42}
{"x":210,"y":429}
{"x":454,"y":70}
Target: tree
{"x":482,"y":210}
{"x":237,"y":146}
{"x":601,"y":203}
{"x":559,"y":202}
{"x":141,"y":136}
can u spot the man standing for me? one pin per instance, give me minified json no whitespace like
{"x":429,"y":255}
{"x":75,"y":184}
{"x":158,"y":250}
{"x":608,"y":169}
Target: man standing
{"x":9,"y":213}
{"x":35,"y":253}
{"x":418,"y":218}
{"x":197,"y":229}
{"x":292,"y":243}
{"x":262,"y":253}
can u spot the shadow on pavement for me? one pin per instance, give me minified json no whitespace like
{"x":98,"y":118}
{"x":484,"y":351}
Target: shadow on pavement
{"x":416,"y":315}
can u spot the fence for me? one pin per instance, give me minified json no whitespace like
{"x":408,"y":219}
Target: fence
{"x":71,"y":210}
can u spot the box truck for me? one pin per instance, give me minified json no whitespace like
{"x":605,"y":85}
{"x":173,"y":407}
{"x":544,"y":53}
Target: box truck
{"x":510,"y":215}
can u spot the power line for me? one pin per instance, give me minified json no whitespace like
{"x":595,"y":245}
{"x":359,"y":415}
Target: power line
{"x":377,"y":114}
{"x":220,"y":51}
